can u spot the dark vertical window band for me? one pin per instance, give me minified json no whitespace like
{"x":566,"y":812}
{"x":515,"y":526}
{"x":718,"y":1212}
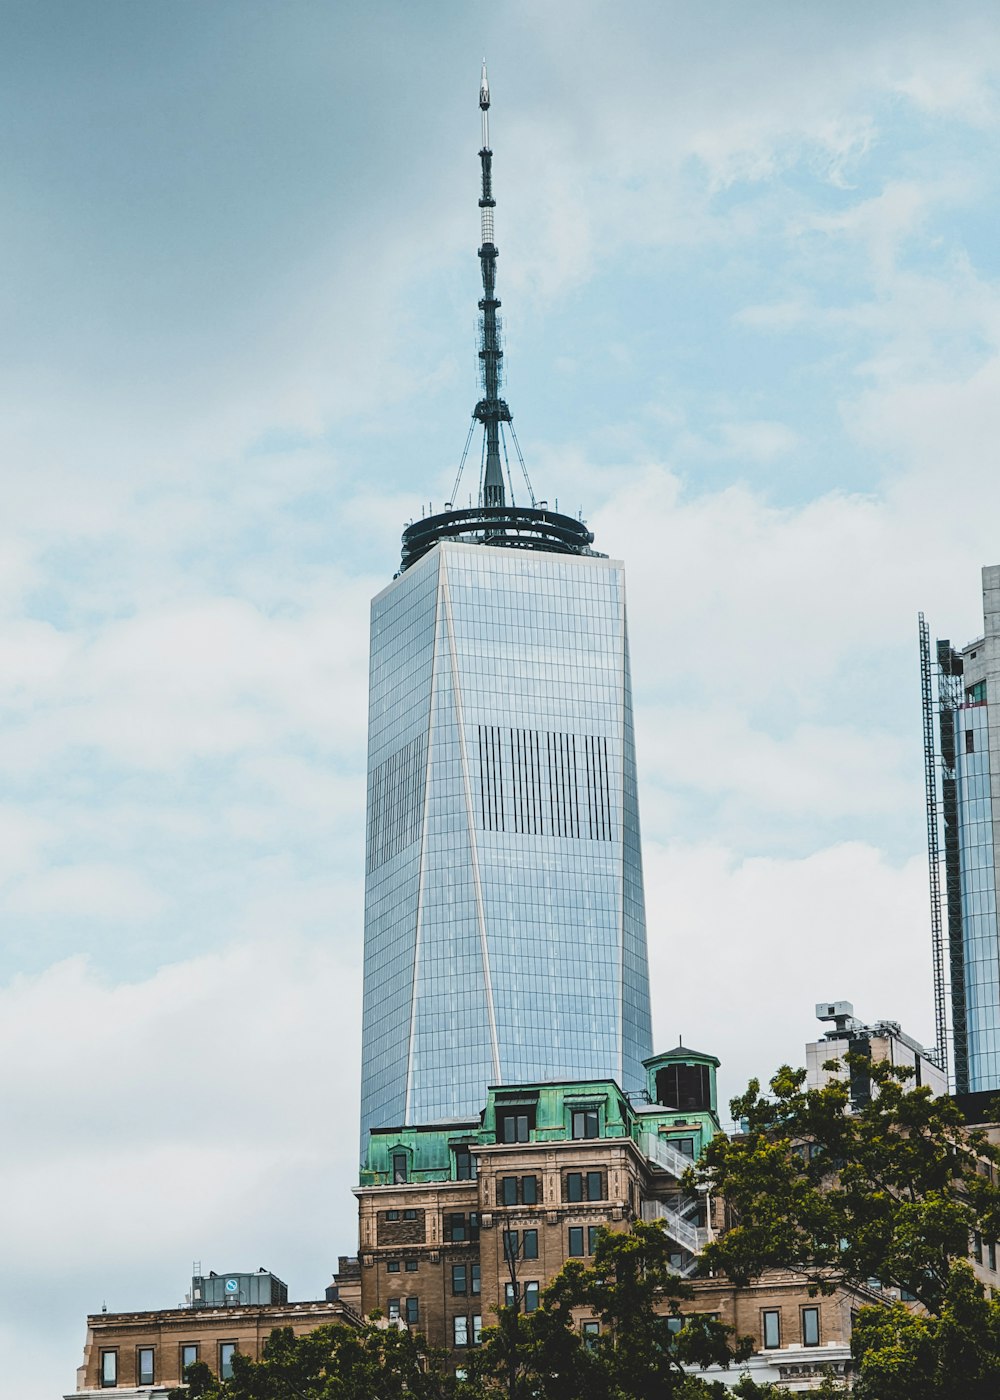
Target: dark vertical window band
{"x":395,"y":802}
{"x":544,"y":783}
{"x":953,"y":896}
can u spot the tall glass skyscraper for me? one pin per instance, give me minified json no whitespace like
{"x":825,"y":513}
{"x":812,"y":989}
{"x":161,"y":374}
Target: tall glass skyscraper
{"x":965,"y":731}
{"x":505,"y":937}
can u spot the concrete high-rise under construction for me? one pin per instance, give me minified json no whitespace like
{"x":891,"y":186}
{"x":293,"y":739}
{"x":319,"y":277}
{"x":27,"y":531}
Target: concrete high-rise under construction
{"x":505,"y":935}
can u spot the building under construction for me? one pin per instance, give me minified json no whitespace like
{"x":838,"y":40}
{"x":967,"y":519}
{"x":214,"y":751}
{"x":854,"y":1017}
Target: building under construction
{"x":961,"y":714}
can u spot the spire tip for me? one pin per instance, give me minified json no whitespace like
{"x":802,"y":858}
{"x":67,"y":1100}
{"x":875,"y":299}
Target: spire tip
{"x":484,"y":89}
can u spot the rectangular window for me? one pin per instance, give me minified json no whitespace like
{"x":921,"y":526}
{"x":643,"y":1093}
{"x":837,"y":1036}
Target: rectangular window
{"x":514,"y":1127}
{"x":970,"y":741}
{"x":459,"y":1279}
{"x":398,"y":1167}
{"x":529,"y":1244}
{"x":109,"y":1368}
{"x":474,"y":1281}
{"x":455,"y":1228}
{"x":460,"y":1331}
{"x":771,"y":1328}
{"x":411,"y":1266}
{"x":509,"y":1295}
{"x":574,"y":1186}
{"x":674,"y":1325}
{"x":477,"y":1330}
{"x":575,"y":1250}
{"x":684,"y":1145}
{"x":810,"y":1327}
{"x":529,"y":1190}
{"x":591,"y":1331}
{"x":592,"y":1238}
{"x":189,"y":1355}
{"x":977,"y":1247}
{"x":585,"y":1124}
{"x":508,"y":1190}
{"x":393,"y":1307}
{"x":511,"y":1245}
{"x":464,"y":1164}
{"x":409,"y":1215}
{"x":993,"y":1256}
{"x":413,"y":1309}
{"x":530,"y":1297}
{"x":227,"y":1350}
{"x":595,"y":1188}
{"x":392,"y":1267}
{"x":392,"y":1215}
{"x":144,"y":1366}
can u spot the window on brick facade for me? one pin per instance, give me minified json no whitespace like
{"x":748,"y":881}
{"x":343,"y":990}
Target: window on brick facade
{"x":460,"y":1331}
{"x":592,"y":1238}
{"x":511,"y":1245}
{"x":477,"y":1329}
{"x":591,"y":1331}
{"x":474,"y":1279}
{"x":771,"y":1328}
{"x":458,"y":1227}
{"x":674,"y":1325}
{"x":509,"y":1295}
{"x":530,"y":1297}
{"x":392,"y":1304}
{"x":529,"y":1190}
{"x":189,"y":1355}
{"x":227,"y":1350}
{"x":409,"y":1215}
{"x":392,"y":1267}
{"x":413,"y":1309}
{"x":529,"y":1244}
{"x":586,"y":1124}
{"x":459,"y":1279}
{"x":392,"y":1215}
{"x":584,"y":1186}
{"x":508,"y":1190}
{"x":810,"y":1327}
{"x":575,"y":1249}
{"x":109,"y":1368}
{"x":411,"y":1266}
{"x":144,"y":1366}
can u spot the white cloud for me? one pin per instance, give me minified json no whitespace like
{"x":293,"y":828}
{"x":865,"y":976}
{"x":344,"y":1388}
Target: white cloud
{"x":742,"y":949}
{"x":207,"y":1112}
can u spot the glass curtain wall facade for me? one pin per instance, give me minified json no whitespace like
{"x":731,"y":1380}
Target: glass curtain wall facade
{"x":505,"y":937}
{"x":969,"y":734}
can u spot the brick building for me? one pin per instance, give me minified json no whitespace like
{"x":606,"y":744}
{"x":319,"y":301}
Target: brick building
{"x":144,"y":1354}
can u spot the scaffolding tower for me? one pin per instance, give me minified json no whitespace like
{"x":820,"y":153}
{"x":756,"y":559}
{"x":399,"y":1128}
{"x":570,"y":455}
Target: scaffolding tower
{"x":933,"y":848}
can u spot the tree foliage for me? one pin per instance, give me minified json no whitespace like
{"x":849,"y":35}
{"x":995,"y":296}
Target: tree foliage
{"x":331,"y":1363}
{"x":891,"y":1190}
{"x":632,"y":1291}
{"x":954,"y":1356}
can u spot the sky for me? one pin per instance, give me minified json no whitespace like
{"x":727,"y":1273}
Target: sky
{"x":751,"y":295}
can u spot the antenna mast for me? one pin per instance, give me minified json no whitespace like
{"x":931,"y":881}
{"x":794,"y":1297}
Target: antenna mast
{"x":491,"y":410}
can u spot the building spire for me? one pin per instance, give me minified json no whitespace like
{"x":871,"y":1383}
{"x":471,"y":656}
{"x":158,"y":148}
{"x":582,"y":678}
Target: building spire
{"x":491,"y":410}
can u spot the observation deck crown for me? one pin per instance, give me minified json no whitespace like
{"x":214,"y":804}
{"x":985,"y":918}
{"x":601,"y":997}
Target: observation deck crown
{"x":502,"y":527}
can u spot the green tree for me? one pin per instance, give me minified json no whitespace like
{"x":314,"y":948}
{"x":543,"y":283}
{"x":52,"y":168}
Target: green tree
{"x":331,"y":1363}
{"x":901,"y":1355}
{"x":891,"y":1190}
{"x":632,"y":1291}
